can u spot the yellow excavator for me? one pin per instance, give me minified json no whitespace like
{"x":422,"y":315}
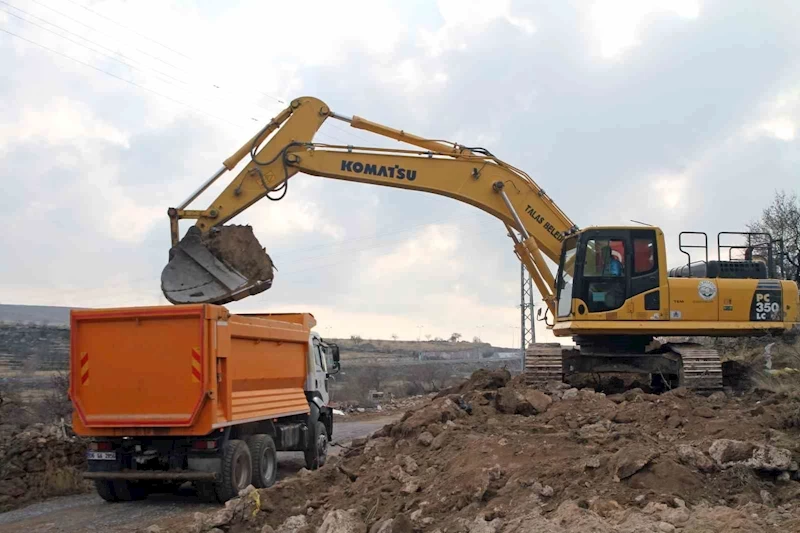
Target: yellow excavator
{"x":612,"y":292}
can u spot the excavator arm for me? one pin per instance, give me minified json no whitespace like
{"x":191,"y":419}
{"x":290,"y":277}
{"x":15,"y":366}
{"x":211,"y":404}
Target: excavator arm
{"x":285,"y":147}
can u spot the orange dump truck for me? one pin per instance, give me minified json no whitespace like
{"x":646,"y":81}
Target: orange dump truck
{"x":193,"y":393}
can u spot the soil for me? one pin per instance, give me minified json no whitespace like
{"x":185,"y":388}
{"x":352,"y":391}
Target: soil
{"x":238,"y":247}
{"x":492,"y":457}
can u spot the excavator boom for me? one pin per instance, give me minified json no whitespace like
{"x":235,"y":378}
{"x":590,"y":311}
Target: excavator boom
{"x":198,"y":272}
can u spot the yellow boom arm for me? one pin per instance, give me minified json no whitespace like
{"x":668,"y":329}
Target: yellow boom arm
{"x":471,"y":175}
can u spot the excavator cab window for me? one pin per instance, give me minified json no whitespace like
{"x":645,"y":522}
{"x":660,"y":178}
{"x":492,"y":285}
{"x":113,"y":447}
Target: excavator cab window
{"x":610,"y":265}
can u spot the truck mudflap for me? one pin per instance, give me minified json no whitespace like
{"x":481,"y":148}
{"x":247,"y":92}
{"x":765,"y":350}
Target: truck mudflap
{"x":155,"y":475}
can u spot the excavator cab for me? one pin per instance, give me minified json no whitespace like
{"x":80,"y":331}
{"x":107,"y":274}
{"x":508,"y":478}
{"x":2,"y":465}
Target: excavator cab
{"x":603,"y":268}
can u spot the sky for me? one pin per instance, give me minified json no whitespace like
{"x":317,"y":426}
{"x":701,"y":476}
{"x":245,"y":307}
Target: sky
{"x":682,"y":114}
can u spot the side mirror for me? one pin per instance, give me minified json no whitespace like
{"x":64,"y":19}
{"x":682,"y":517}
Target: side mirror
{"x":335,"y":354}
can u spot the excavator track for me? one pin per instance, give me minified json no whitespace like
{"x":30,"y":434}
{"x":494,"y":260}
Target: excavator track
{"x":543,"y":363}
{"x":702,"y":367}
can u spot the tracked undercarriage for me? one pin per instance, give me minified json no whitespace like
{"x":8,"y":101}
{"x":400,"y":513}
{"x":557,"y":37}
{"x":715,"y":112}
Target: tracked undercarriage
{"x":670,"y":365}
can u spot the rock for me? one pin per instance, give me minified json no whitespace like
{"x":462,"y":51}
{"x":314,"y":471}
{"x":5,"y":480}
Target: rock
{"x":629,"y":460}
{"x":409,"y":464}
{"x":222,"y":517}
{"x":676,"y":517}
{"x":338,"y":521}
{"x":267,"y":529}
{"x":717,"y":397}
{"x":691,"y":456}
{"x":508,"y":400}
{"x":425,"y":438}
{"x":482,"y":526}
{"x":439,"y":441}
{"x":640,"y":498}
{"x":441,"y":410}
{"x":770,"y":458}
{"x":293,"y":524}
{"x":604,"y":508}
{"x":679,"y":502}
{"x":373,"y":444}
{"x":402,"y":524}
{"x":626,"y":415}
{"x":153,"y":529}
{"x":783,"y":477}
{"x":249,"y":489}
{"x":725,"y":451}
{"x":666,"y":527}
{"x":384,"y":526}
{"x":410,"y":487}
{"x":398,"y":474}
{"x":766,"y":498}
{"x":538,"y":400}
{"x":674,"y":421}
{"x":416,"y":515}
{"x":547,"y":491}
{"x":570,"y":394}
{"x":704,"y":412}
{"x":427,"y":521}
{"x":592,"y":462}
{"x":680,"y":392}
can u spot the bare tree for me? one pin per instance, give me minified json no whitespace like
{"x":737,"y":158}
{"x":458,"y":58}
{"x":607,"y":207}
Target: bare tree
{"x":428,"y":337}
{"x":356,"y":339}
{"x":394,"y":336}
{"x":476,"y":340}
{"x":781,"y":219}
{"x":454,"y":337}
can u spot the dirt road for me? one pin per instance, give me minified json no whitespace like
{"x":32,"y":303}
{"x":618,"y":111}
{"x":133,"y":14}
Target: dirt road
{"x":87,"y":512}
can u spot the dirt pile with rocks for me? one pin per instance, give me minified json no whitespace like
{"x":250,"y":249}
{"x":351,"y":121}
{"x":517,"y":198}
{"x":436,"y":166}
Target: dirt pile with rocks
{"x":495,"y":457}
{"x":39,"y":462}
{"x":238,"y":247}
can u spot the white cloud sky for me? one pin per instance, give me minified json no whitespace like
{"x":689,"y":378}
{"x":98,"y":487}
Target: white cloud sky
{"x":678,"y":113}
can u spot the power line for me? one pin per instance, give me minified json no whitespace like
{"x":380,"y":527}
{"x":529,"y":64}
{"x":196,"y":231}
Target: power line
{"x":121,"y":78}
{"x":210,"y":83}
{"x":129,"y":29}
{"x":80,"y":37}
{"x":103,"y":33}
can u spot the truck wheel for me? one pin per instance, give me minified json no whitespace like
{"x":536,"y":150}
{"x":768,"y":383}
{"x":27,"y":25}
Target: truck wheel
{"x":265,"y":460}
{"x":316,"y":456}
{"x":237,"y":470}
{"x":128,"y":491}
{"x":105,"y":489}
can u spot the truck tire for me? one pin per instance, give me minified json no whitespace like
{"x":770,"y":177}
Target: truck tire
{"x":265,"y":460}
{"x":128,"y":491}
{"x":318,"y":452}
{"x":105,"y":489}
{"x":237,"y":470}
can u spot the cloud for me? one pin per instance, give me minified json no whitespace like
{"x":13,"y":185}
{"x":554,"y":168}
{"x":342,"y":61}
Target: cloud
{"x":683,"y":115}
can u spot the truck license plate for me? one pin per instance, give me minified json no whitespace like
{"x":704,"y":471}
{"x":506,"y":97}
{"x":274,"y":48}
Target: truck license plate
{"x":101,"y":456}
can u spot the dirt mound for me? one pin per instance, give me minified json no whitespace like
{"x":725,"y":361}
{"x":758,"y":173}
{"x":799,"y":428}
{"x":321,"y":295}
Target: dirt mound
{"x":238,"y":247}
{"x":503,"y":459}
{"x":480,"y":380}
{"x":39,"y":462}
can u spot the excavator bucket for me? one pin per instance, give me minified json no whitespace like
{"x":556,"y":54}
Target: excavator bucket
{"x":221,"y":266}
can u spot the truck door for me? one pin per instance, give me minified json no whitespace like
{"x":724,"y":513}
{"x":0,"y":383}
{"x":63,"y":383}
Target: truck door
{"x":320,"y":370}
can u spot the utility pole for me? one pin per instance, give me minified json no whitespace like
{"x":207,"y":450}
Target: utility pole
{"x":527,"y":329}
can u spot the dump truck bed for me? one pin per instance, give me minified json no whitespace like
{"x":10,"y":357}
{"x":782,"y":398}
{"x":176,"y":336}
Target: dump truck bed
{"x":184,"y":370}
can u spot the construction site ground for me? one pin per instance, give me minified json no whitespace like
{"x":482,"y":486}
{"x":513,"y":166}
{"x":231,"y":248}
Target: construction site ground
{"x":88,"y":512}
{"x":493,"y":456}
